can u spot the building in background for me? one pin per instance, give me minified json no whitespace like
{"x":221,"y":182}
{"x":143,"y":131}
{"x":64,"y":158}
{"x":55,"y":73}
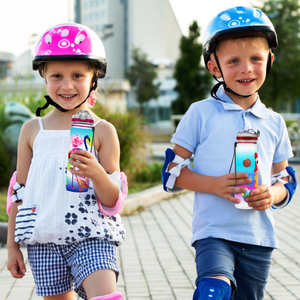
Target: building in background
{"x":121,"y":24}
{"x":150,"y":25}
{"x":6,"y":65}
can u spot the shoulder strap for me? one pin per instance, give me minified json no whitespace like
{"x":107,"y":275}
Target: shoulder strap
{"x":41,"y":123}
{"x":95,"y":124}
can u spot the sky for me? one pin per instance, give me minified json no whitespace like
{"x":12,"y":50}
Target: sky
{"x":19,"y":19}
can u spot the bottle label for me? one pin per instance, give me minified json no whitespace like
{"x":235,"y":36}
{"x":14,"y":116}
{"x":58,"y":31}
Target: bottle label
{"x":246,"y":161}
{"x":81,"y":138}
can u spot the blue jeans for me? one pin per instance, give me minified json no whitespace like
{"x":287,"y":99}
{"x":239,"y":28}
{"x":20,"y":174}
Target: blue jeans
{"x":247,"y":266}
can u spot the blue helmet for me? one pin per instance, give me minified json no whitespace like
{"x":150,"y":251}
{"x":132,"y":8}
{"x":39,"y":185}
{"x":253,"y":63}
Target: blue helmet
{"x":238,"y":21}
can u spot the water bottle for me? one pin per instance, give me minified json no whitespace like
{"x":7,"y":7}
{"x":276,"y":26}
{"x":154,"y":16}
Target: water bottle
{"x":81,"y":138}
{"x":246,"y":159}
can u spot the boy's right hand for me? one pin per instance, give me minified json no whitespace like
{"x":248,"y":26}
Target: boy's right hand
{"x":225,"y":185}
{"x":15,"y":263}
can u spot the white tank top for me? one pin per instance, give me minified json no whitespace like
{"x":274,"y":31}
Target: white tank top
{"x":51,"y":214}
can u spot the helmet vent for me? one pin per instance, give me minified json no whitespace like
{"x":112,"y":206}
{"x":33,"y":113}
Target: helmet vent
{"x":257,"y":14}
{"x":225,"y":17}
{"x":79,"y":38}
{"x":240,"y":10}
{"x":65,"y":32}
{"x":48,"y":39}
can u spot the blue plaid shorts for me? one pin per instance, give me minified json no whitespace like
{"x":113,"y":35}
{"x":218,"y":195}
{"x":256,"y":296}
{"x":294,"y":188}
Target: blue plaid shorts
{"x":58,"y":269}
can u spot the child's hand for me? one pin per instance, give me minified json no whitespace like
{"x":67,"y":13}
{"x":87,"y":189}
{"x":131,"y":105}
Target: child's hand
{"x":86,"y":162}
{"x":15,"y":263}
{"x":225,"y":185}
{"x":261,"y":198}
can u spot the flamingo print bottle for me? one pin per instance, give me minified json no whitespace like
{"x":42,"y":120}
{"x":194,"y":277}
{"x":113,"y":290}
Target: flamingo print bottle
{"x":246,"y":159}
{"x":81,"y":138}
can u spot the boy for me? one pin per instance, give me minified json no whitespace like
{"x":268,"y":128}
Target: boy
{"x":233,"y":246}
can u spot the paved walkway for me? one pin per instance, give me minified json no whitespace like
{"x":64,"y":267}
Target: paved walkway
{"x":157,"y":262}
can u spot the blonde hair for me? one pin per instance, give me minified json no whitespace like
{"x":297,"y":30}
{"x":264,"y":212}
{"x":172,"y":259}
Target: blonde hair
{"x":256,"y":41}
{"x":91,"y":66}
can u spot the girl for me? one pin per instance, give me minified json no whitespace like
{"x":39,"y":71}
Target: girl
{"x":71,"y":240}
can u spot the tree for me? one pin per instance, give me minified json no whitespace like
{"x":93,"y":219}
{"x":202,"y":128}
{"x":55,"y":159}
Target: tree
{"x":282,"y":85}
{"x":141,"y":75}
{"x":193,"y":80}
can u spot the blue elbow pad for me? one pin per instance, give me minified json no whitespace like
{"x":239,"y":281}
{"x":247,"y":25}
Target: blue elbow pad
{"x":168,"y":177}
{"x":290,"y":186}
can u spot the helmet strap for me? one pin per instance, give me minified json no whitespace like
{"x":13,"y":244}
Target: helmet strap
{"x":49,"y":101}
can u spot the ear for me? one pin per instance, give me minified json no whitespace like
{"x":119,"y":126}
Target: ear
{"x":94,"y":78}
{"x":214,"y":69}
{"x":43,"y":75}
{"x":272,"y":58}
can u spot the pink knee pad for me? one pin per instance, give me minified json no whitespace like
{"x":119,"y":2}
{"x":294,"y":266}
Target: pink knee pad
{"x":112,"y":296}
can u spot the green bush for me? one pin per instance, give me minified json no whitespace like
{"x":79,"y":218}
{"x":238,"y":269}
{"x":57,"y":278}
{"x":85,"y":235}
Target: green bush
{"x":129,"y":126}
{"x":4,"y":163}
{"x":5,"y":158}
{"x":148,"y":173}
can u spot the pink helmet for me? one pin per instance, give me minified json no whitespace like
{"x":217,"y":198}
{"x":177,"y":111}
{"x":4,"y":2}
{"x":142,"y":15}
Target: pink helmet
{"x":70,"y":41}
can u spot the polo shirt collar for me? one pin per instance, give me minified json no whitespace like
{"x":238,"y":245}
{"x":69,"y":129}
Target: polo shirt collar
{"x":258,"y":109}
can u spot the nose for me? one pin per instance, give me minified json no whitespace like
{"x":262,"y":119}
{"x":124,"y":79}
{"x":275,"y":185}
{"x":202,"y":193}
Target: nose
{"x":246,"y":67}
{"x":67,"y":84}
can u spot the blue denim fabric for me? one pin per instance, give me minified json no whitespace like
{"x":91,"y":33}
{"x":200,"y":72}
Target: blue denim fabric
{"x":247,"y":266}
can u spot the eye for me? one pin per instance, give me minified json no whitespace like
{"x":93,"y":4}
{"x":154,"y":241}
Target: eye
{"x":255,"y":58}
{"x":77,"y":76}
{"x":79,"y":39}
{"x":48,"y":39}
{"x":234,"y":61}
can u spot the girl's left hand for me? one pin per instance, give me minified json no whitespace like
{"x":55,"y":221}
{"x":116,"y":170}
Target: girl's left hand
{"x":261,"y":198}
{"x":86,"y":162}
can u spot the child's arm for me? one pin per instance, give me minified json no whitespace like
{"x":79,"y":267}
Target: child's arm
{"x":15,"y":263}
{"x":107,"y":144}
{"x":223,"y":186}
{"x":265,"y":196}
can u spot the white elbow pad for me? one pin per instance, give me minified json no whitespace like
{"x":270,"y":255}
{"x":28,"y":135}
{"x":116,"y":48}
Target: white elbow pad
{"x":169,"y":176}
{"x":121,"y":180}
{"x":290,"y":186}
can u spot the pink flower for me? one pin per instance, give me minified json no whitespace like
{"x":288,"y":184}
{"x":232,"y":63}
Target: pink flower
{"x":91,"y":100}
{"x":76,"y":140}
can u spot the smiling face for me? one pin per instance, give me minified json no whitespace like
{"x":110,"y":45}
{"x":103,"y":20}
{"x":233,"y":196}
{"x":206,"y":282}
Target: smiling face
{"x":68,"y":82}
{"x":243,"y":62}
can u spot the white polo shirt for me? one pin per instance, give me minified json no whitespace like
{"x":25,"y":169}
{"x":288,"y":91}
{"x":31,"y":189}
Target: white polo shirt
{"x":208,"y":130}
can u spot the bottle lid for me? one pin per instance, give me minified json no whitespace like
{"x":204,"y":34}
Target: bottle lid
{"x":248,"y":135}
{"x":82,"y":117}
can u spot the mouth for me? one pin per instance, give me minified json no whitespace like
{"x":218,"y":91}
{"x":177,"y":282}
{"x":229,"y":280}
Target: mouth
{"x":246,"y":80}
{"x":67,"y":96}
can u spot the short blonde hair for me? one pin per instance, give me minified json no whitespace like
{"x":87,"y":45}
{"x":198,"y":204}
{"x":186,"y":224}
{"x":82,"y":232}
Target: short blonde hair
{"x":256,"y":41}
